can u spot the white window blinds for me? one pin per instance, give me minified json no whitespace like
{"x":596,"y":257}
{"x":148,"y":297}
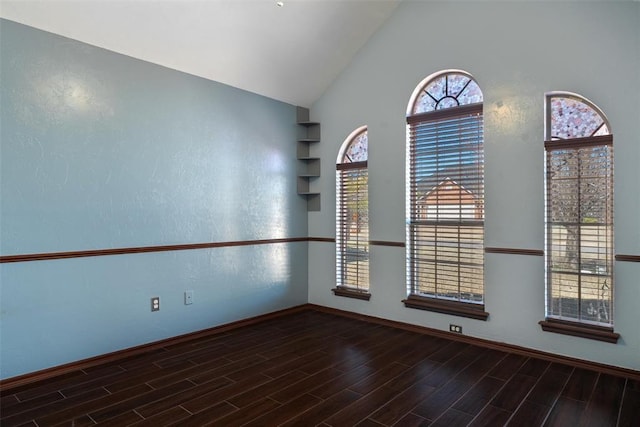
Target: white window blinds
{"x":580,"y":229}
{"x":353,"y":226}
{"x":446,"y":199}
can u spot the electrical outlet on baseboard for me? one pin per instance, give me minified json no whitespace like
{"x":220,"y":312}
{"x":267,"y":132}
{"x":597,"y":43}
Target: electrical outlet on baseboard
{"x":455,"y":328}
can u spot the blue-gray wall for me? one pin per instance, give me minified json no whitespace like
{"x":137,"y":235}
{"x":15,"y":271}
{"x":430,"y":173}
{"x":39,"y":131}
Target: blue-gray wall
{"x":102,"y":151}
{"x":517,"y":51}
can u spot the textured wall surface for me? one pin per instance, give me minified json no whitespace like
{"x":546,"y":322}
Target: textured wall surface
{"x":517,"y":51}
{"x":102,"y":151}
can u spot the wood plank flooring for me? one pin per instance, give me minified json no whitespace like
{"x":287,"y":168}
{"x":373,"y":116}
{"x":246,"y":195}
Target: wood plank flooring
{"x":314,"y":368}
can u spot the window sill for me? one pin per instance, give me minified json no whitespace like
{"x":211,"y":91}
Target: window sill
{"x":351,"y":293}
{"x":599,"y":333}
{"x":462,"y":309}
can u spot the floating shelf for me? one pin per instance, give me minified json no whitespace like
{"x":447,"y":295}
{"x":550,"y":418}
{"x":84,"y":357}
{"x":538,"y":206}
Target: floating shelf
{"x":308,"y":165}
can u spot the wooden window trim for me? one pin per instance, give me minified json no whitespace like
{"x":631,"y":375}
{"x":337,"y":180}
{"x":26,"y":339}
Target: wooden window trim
{"x":590,"y":141}
{"x":456,"y":308}
{"x":354,"y":165}
{"x":447,"y":113}
{"x":582,"y":330}
{"x":343,"y":291}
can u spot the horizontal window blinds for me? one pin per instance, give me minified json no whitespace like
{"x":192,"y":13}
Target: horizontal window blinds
{"x":446,"y":198}
{"x":579,"y":221}
{"x":353,"y":219}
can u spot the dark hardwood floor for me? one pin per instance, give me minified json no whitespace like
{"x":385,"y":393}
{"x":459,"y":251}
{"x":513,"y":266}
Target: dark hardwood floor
{"x":314,"y":368}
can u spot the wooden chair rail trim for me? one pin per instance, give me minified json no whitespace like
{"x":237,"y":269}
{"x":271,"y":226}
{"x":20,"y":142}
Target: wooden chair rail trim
{"x":210,"y":245}
{"x":629,"y":258}
{"x":147,"y":249}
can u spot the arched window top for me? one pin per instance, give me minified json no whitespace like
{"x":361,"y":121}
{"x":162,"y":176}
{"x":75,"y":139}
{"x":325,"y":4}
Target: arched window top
{"x":573,"y":116}
{"x":446,"y":89}
{"x":355,"y":147}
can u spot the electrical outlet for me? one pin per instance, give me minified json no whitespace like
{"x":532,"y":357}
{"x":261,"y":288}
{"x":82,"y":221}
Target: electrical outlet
{"x":155,"y":304}
{"x":188,"y":297}
{"x":455,"y":328}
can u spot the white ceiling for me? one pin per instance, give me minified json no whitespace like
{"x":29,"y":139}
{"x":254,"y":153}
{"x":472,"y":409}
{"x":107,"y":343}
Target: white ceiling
{"x":290,"y":53}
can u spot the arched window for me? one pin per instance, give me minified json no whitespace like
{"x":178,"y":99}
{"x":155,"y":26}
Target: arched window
{"x":579,"y":216}
{"x":352,"y":217}
{"x":445,"y":196}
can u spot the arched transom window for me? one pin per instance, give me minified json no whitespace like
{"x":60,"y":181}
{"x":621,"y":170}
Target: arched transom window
{"x":445,"y":196}
{"x":446,"y":91}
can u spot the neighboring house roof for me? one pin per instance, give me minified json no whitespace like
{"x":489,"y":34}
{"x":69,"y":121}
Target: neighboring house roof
{"x":445,"y":182}
{"x":468,"y":182}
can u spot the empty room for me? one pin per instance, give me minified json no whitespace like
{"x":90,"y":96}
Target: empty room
{"x":319,"y":212}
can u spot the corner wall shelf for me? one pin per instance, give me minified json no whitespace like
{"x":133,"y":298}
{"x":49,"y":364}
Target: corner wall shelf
{"x":308,"y":165}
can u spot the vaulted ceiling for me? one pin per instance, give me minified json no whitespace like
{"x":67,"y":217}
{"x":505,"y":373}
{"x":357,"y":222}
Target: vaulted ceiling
{"x":290,"y":52}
